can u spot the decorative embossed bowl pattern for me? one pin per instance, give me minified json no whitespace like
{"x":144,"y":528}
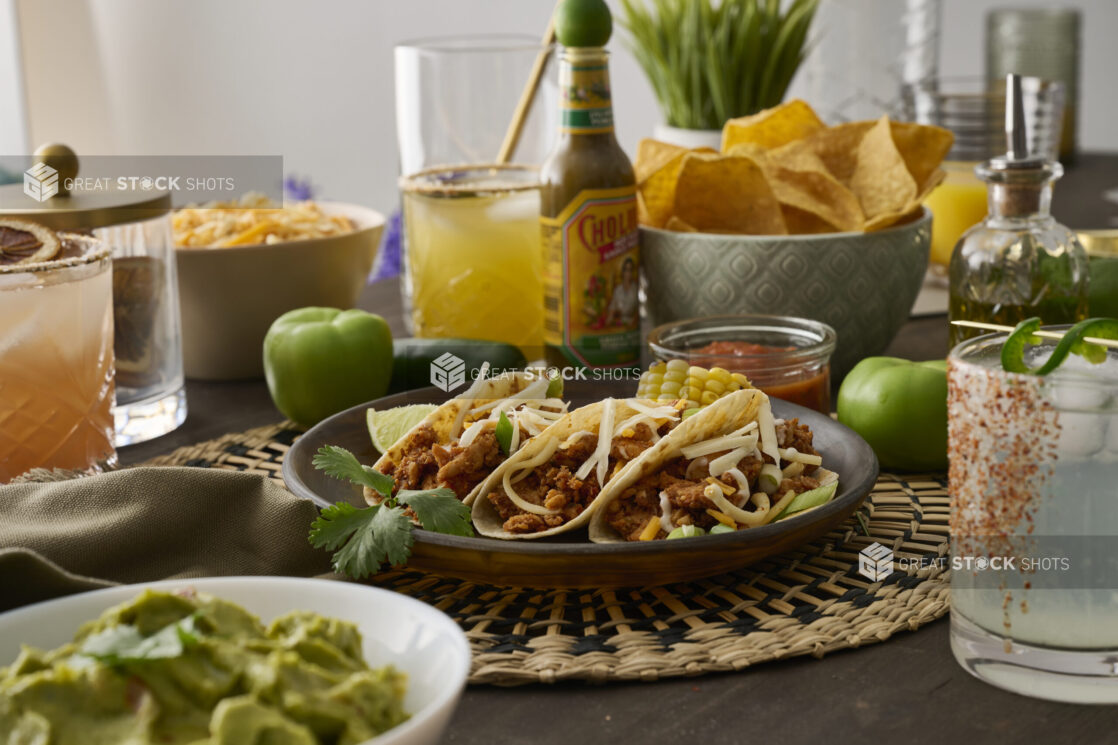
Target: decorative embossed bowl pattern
{"x":862,"y":284}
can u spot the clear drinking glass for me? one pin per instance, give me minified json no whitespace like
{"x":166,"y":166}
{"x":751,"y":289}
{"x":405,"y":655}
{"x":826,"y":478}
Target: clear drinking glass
{"x":1034,"y":524}
{"x":56,"y":361}
{"x":1042,"y":42}
{"x":455,"y":98}
{"x":473,"y":254}
{"x":150,"y":393}
{"x":862,"y":52}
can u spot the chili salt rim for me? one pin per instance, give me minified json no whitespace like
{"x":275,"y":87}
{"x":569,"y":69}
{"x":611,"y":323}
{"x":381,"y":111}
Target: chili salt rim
{"x":487,"y":184}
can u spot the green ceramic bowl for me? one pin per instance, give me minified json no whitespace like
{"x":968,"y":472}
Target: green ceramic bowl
{"x":861,"y":284}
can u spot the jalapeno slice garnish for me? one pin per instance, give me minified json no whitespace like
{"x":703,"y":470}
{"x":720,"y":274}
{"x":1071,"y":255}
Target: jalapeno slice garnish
{"x":1073,"y":341}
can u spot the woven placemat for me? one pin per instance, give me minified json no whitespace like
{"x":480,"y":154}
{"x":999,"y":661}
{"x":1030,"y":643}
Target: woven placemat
{"x":807,"y":602}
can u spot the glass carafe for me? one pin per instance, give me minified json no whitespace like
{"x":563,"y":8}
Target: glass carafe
{"x":1019,"y":262}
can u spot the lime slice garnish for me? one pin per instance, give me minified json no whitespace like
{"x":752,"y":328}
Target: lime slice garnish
{"x":388,"y":426}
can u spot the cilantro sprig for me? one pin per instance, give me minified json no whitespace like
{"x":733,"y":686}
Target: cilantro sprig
{"x":365,"y":539}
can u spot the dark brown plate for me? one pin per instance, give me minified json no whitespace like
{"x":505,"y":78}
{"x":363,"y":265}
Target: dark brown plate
{"x":571,"y":560}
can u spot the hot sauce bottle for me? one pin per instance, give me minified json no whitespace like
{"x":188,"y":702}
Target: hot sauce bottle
{"x":588,"y":209}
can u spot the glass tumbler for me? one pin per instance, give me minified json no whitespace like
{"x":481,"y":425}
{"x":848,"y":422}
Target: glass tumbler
{"x":1042,"y":42}
{"x":455,"y":99}
{"x":862,"y":52}
{"x":473,"y":254}
{"x":56,"y":361}
{"x":1034,"y":529}
{"x":150,"y":393}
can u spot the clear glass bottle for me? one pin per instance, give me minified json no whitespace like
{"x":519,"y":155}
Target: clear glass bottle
{"x":1019,"y":262}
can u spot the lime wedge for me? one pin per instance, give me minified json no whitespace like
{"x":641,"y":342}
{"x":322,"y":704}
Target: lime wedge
{"x":388,"y":426}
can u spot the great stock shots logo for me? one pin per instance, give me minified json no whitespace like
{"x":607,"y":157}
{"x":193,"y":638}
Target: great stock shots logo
{"x":40,"y":182}
{"x":448,"y":372}
{"x":875,"y":562}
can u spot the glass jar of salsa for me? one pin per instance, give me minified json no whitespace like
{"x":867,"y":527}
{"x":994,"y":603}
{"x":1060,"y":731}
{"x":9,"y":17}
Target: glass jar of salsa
{"x":787,"y":358}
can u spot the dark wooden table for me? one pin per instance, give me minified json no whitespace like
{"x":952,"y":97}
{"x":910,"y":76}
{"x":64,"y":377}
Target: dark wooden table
{"x":906,"y":690}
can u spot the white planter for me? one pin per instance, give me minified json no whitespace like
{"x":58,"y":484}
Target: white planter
{"x":689,"y":138}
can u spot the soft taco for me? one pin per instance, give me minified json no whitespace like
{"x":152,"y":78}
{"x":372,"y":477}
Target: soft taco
{"x":457,"y":445}
{"x":732,"y":464}
{"x":553,"y":483}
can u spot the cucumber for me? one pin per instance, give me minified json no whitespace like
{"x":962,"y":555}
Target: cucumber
{"x":411,"y":367}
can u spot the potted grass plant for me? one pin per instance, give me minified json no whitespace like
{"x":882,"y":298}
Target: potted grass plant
{"x":714,"y":60}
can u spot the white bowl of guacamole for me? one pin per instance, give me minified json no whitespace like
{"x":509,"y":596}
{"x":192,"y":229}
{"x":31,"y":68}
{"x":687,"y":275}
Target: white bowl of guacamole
{"x":234,"y":660}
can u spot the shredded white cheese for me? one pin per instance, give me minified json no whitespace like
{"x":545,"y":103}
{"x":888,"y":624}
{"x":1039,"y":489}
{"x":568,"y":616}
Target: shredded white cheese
{"x":665,"y":513}
{"x":471,"y":433}
{"x":468,"y":395}
{"x":795,"y":456}
{"x":522,"y":470}
{"x":768,"y":430}
{"x":600,"y":457}
{"x":726,"y":442}
{"x":724,"y":463}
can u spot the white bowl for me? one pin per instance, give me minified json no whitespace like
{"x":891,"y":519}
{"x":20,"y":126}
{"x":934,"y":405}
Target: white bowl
{"x":419,"y":640}
{"x":230,"y":296}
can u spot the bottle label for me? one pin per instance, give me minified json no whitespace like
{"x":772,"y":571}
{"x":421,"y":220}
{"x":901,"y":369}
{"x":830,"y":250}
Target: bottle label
{"x":591,"y":301}
{"x":587,"y":107}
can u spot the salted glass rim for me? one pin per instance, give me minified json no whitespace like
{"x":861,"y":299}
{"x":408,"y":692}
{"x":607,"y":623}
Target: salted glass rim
{"x":90,"y":257}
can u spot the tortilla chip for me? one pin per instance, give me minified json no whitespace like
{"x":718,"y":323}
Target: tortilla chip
{"x":912,"y":209}
{"x":726,"y":194}
{"x":881,"y":179}
{"x":679,"y":226}
{"x":658,"y":191}
{"x":791,"y":120}
{"x":837,"y":147}
{"x":923,"y":147}
{"x":800,"y":222}
{"x":800,"y":179}
{"x":652,"y":155}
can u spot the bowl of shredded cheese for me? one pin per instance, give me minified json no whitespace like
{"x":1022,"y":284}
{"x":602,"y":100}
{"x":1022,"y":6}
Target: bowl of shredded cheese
{"x":242,"y":264}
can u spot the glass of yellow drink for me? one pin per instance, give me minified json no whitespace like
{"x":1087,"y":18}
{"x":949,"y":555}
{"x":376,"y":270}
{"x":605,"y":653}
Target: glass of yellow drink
{"x":472,"y":254}
{"x":957,"y":204}
{"x":56,"y":361}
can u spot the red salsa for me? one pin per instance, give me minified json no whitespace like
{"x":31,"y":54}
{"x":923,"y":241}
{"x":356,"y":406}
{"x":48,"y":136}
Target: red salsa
{"x":772,"y":369}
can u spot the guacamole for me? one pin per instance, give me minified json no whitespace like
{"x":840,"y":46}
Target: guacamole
{"x":191,"y":669}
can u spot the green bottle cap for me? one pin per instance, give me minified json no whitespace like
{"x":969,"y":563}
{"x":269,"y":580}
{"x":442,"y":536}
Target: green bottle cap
{"x":583,"y":23}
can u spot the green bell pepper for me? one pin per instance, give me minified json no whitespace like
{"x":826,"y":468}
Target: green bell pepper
{"x":319,"y":361}
{"x":900,"y":408}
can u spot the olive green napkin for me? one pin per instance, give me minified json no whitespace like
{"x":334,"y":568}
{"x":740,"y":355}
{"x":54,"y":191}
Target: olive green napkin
{"x":146,"y":524}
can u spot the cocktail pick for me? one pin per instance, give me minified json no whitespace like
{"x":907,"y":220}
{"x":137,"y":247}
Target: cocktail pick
{"x":1041,"y":332}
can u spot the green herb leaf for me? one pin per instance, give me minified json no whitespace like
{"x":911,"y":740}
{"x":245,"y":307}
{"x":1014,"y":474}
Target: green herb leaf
{"x":121,"y":645}
{"x":438,"y":510}
{"x":365,"y":538}
{"x":342,"y":464}
{"x":504,"y":433}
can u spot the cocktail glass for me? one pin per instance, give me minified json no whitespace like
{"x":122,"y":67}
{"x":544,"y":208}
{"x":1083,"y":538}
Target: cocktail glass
{"x":473,"y":254}
{"x":1034,"y":522}
{"x":56,"y":361}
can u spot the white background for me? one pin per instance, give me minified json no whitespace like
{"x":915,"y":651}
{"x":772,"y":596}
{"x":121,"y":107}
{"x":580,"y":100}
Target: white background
{"x":313,"y":81}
